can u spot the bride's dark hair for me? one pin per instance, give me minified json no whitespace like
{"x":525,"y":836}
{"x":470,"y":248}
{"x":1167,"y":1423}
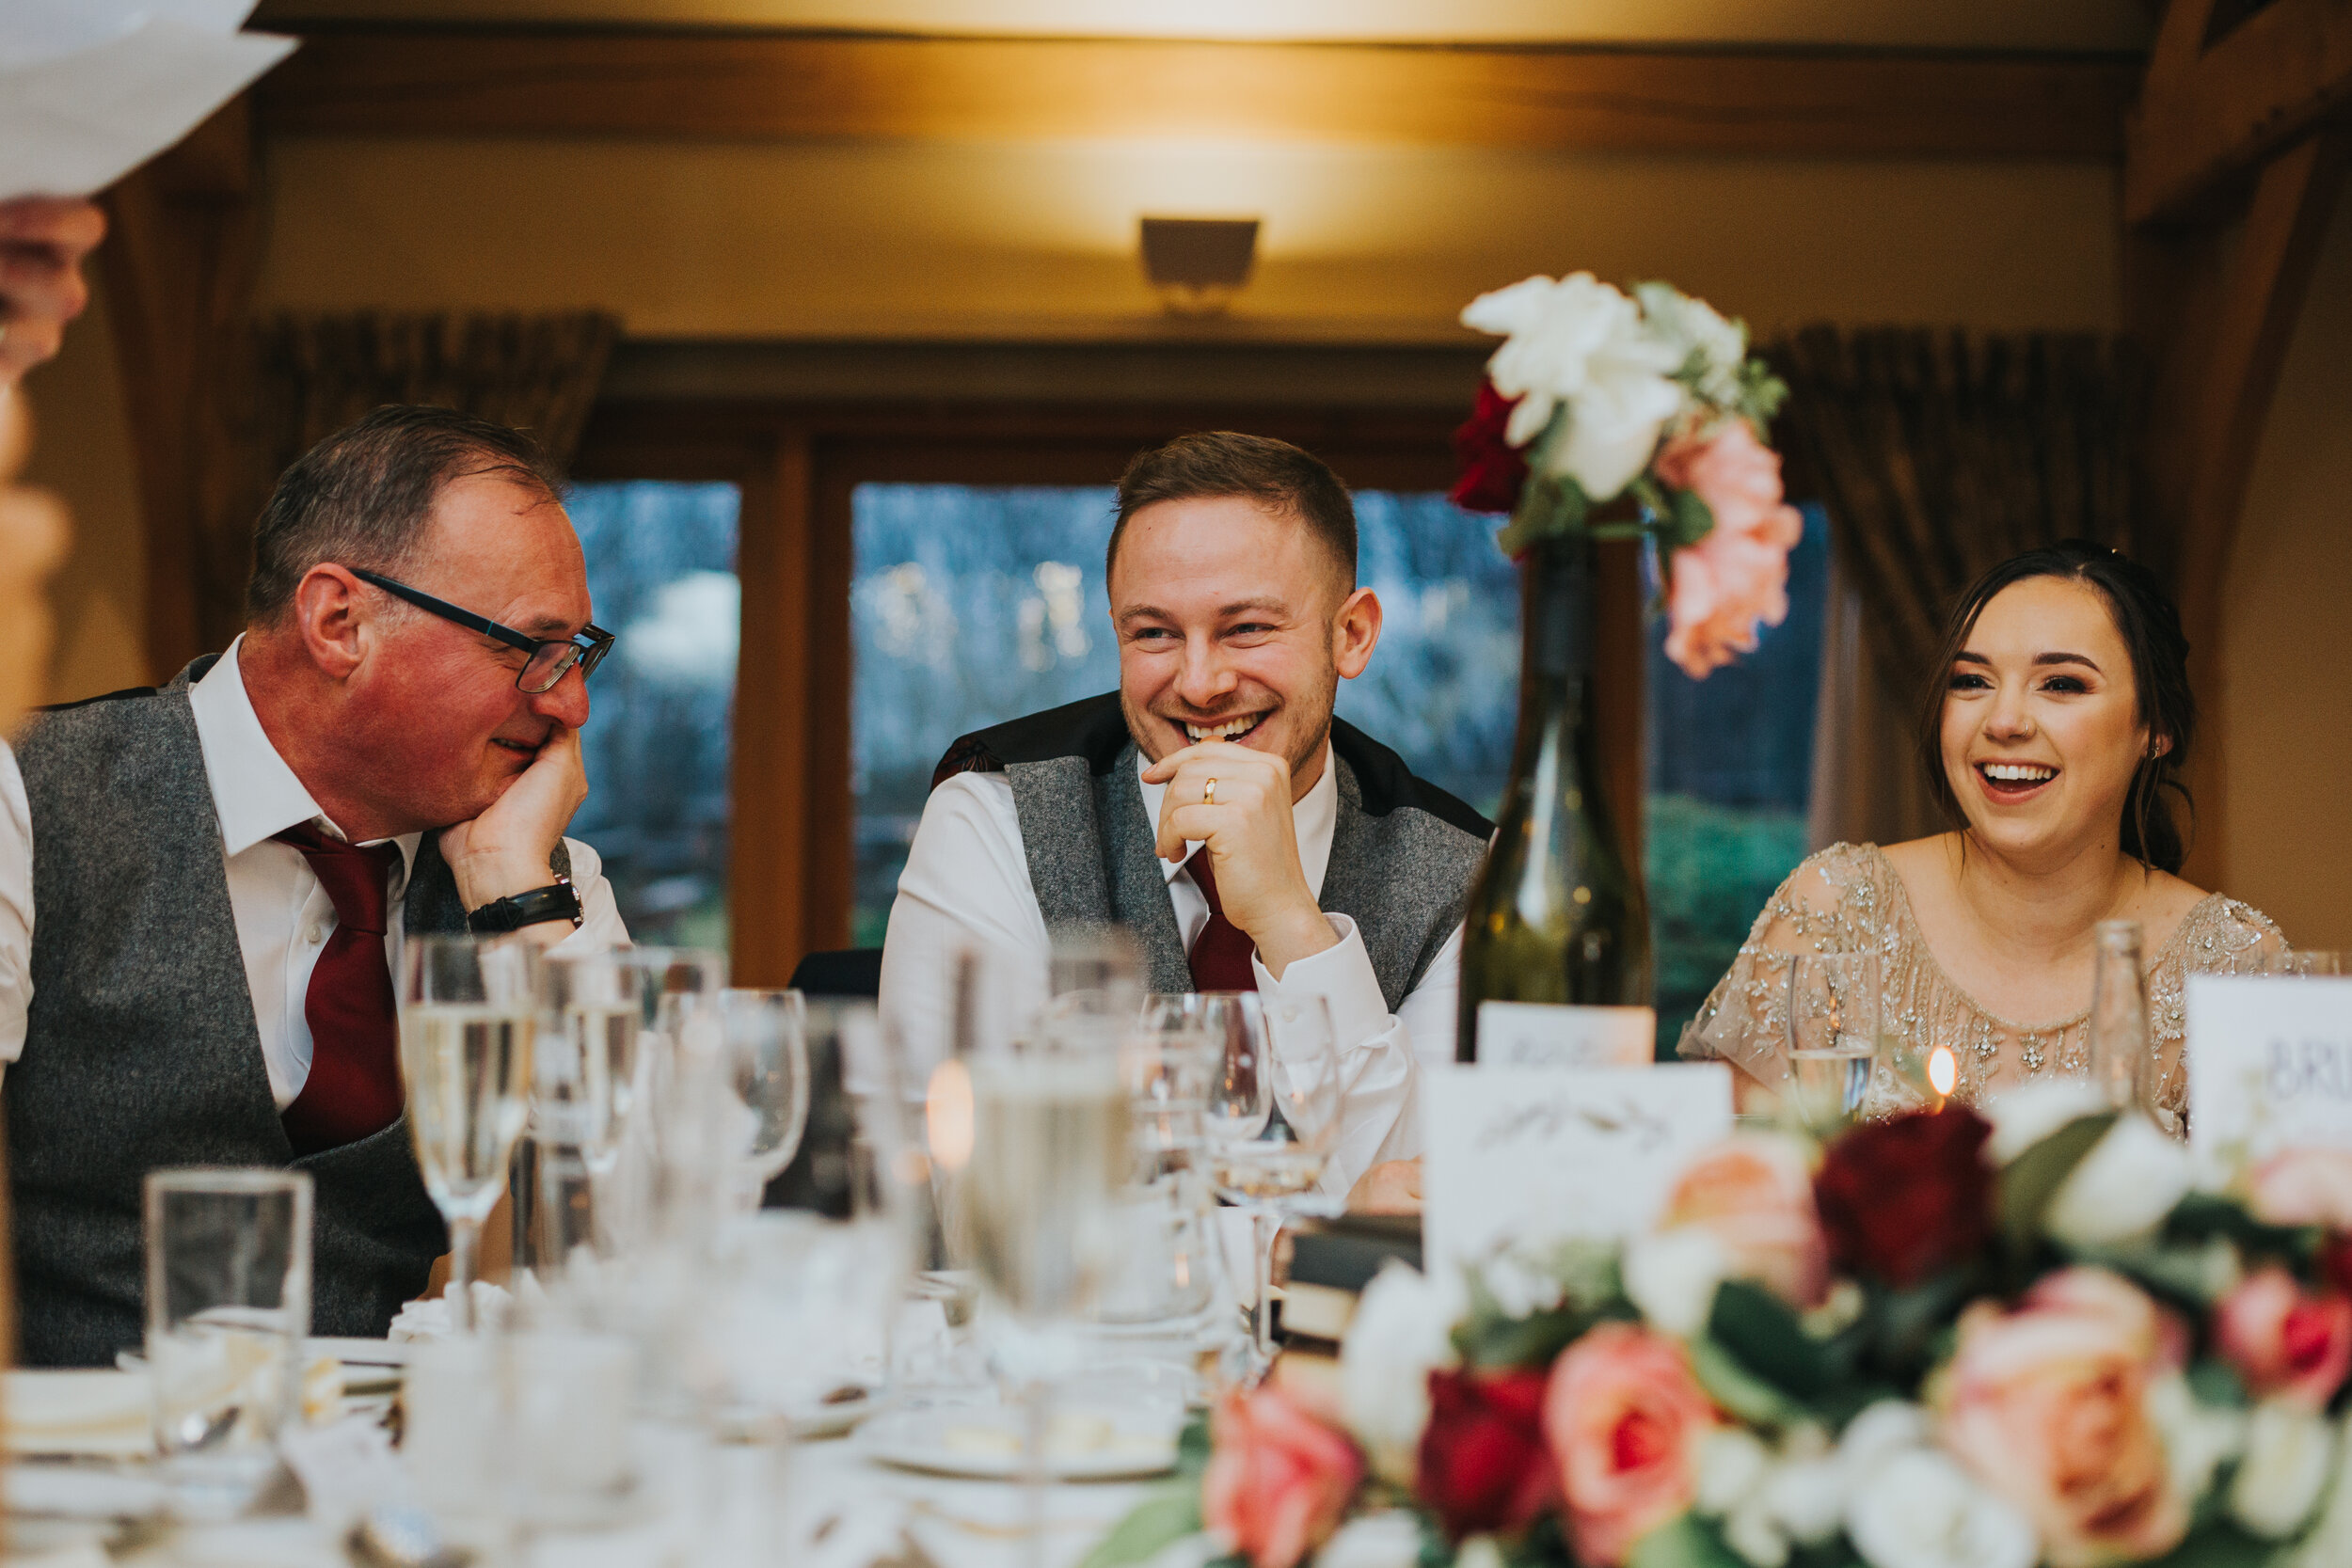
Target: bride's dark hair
{"x":2149,"y":625}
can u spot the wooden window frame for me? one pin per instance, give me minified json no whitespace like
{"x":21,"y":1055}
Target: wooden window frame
{"x":797,"y":465}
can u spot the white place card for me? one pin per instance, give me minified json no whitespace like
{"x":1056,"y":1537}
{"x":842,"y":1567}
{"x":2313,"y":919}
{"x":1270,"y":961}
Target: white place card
{"x":2269,"y":1066}
{"x":1530,"y":1154}
{"x":1538,"y":1034}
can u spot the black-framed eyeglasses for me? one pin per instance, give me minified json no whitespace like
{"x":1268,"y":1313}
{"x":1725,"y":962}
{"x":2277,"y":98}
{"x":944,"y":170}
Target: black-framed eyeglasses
{"x":550,"y":656}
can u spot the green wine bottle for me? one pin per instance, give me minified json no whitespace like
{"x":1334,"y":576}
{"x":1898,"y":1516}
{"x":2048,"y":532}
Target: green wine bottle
{"x":1555,"y":945}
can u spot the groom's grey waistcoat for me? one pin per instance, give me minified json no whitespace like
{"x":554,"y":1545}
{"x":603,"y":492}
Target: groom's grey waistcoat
{"x":1403,"y":851}
{"x":141,"y":1050}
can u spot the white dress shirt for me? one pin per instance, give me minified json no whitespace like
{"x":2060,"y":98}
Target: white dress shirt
{"x":966,"y":885}
{"x":283,"y":916}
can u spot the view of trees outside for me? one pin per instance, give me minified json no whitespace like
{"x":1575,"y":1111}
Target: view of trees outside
{"x":662,"y":575}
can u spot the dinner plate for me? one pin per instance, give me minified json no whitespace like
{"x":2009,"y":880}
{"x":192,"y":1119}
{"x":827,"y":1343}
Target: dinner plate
{"x":983,"y":1442}
{"x":361,"y":1352}
{"x":833,"y":1417}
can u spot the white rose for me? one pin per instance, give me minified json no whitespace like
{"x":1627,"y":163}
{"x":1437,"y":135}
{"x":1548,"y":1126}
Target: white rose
{"x":2125,"y":1187}
{"x":1881,"y":1431}
{"x":1919,"y":1510}
{"x":1579,"y":342}
{"x":2029,"y":1113}
{"x":1733,"y":1463}
{"x":1750,"y":1531}
{"x":1479,"y":1551}
{"x":1671,"y":1276}
{"x":1614,"y":424}
{"x":2197,"y":1437}
{"x":2289,"y":1456}
{"x":2329,"y":1544}
{"x":1521,"y":1284}
{"x":1692,"y":326}
{"x":1807,"y":1499}
{"x":1386,"y":1540}
{"x":1402,"y":1331}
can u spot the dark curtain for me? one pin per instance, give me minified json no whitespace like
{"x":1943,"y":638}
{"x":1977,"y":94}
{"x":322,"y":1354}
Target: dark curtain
{"x":1938,"y":454}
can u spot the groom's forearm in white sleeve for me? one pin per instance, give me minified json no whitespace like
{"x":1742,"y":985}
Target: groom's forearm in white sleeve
{"x":965,"y":886}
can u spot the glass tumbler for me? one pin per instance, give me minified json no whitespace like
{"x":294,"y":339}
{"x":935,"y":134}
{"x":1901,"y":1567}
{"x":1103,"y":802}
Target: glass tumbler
{"x":227,"y":1311}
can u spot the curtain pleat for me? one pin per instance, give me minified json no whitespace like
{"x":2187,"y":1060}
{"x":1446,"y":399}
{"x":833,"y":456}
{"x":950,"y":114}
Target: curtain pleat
{"x":1939,"y":454}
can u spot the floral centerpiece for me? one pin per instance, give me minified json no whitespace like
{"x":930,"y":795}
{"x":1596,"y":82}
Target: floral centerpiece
{"x":1942,"y":1342}
{"x":1597,"y":395}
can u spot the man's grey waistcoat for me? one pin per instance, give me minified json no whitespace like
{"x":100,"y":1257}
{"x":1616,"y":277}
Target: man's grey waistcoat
{"x":1403,"y":851}
{"x":141,"y":1050}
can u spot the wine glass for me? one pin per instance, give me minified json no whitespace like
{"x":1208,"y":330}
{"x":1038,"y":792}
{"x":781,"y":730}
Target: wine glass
{"x":468,"y":1017}
{"x":1049,"y":1155}
{"x":1833,"y":1038}
{"x":764,"y":1038}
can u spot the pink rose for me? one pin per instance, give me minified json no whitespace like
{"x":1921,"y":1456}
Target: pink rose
{"x":1278,"y":1481}
{"x":1624,"y":1420}
{"x":2047,"y":1405}
{"x":1738,"y":574}
{"x":2303,"y":1186}
{"x":2285,"y":1342}
{"x":1754,"y":1194}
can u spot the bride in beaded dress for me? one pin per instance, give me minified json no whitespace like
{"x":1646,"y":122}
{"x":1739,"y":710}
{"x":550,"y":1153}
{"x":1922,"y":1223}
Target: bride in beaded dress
{"x":2061,"y":717}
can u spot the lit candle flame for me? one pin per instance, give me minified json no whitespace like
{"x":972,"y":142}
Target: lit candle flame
{"x":1943,"y":1070}
{"x":947,"y":1115}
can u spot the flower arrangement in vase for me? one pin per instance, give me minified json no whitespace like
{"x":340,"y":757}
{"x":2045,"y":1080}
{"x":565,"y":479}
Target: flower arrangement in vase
{"x":1941,"y":1342}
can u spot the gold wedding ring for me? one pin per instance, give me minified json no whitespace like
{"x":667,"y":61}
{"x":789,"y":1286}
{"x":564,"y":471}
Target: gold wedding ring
{"x":1208,"y":792}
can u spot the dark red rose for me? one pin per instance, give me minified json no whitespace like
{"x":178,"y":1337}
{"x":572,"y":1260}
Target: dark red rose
{"x":1906,"y":1198}
{"x":1483,"y":1466}
{"x":1492,"y":469}
{"x":2335,"y":1261}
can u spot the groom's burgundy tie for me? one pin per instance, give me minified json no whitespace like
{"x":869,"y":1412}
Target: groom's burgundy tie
{"x":354,"y":1088}
{"x":1220,"y":954}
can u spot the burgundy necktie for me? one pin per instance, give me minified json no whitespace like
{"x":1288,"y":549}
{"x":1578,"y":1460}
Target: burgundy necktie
{"x":354,"y":1088}
{"x":1221,"y":953}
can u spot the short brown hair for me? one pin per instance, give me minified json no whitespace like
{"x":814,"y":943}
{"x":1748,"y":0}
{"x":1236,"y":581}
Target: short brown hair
{"x":362,"y":496}
{"x":1211,"y":463}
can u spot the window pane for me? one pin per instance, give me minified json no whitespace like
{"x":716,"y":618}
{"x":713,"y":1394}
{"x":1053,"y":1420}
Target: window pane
{"x":975,"y":605}
{"x":658,"y":738}
{"x":1730,"y":777}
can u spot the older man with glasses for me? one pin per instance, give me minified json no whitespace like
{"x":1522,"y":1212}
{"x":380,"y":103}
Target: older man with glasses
{"x":225,"y":867}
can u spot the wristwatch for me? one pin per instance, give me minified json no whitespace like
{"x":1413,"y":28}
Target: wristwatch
{"x":517,"y":911}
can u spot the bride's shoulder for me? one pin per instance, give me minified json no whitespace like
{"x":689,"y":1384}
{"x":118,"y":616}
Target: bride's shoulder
{"x":2212,"y":930}
{"x":1848,"y":880}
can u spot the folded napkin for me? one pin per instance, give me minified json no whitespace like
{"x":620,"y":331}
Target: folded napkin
{"x":94,"y":1412}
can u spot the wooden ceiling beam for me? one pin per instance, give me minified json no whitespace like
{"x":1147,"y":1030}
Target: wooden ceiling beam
{"x":2210,"y":116}
{"x":793,"y":85}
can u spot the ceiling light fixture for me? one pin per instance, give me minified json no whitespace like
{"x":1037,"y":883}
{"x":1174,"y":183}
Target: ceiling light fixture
{"x":1198,"y":265}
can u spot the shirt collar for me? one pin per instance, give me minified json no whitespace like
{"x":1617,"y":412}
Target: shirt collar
{"x":1312,"y":819}
{"x":255,"y":794}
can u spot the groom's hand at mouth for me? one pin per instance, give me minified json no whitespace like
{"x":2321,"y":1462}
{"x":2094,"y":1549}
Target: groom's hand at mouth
{"x":505,"y":850}
{"x":1252,"y":844}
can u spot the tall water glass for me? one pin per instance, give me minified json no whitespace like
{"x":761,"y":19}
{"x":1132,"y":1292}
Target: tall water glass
{"x":227,"y":1309}
{"x":592,"y":1011}
{"x":2120,"y":1056}
{"x":763,"y":1035}
{"x":1833,"y":1038}
{"x":468,"y":1014}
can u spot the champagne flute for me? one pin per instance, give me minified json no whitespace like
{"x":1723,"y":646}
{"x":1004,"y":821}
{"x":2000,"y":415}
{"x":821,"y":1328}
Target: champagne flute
{"x":764,"y":1035}
{"x":1833,"y":1038}
{"x":468,"y":1017}
{"x":1049,"y":1155}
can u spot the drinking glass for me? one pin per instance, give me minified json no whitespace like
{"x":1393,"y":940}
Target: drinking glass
{"x":1833,"y":1038}
{"x":763,"y":1035}
{"x":227,"y":1311}
{"x":468,"y":1015}
{"x":592,"y":1011}
{"x":1049,"y":1154}
{"x":1170,"y":1273}
{"x":2118,"y":1027}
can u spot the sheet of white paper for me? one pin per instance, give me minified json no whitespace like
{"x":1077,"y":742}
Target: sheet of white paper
{"x":2269,"y":1067}
{"x":1533,"y":1033}
{"x":36,"y":30}
{"x":74,"y":123}
{"x":1521,"y":1156}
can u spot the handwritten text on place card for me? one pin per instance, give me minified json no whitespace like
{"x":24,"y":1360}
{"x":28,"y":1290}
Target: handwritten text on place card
{"x":1519,"y":1157}
{"x":1535,"y":1034}
{"x":2269,"y":1066}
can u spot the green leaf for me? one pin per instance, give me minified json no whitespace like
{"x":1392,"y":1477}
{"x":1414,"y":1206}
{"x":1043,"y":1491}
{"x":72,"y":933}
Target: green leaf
{"x":1550,"y":507}
{"x":1729,"y":1384}
{"x":1155,"y":1524}
{"x":1192,"y":1446}
{"x":1684,"y":521}
{"x":1688,"y":1542}
{"x":2220,"y":1545}
{"x":1767,"y":1336}
{"x":2030,"y":1181}
{"x":2203,"y":1215}
{"x":2215,"y":1382}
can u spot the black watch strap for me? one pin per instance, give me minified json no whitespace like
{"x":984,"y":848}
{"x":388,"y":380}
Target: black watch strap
{"x":512,"y":913}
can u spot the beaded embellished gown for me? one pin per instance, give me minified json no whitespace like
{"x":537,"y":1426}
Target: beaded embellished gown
{"x":1848,"y":898}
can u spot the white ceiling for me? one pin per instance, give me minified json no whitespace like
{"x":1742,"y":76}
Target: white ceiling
{"x":2036,"y":24}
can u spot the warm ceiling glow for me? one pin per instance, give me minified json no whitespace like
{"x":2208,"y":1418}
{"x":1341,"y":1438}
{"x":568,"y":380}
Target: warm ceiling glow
{"x":1943,"y":1071}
